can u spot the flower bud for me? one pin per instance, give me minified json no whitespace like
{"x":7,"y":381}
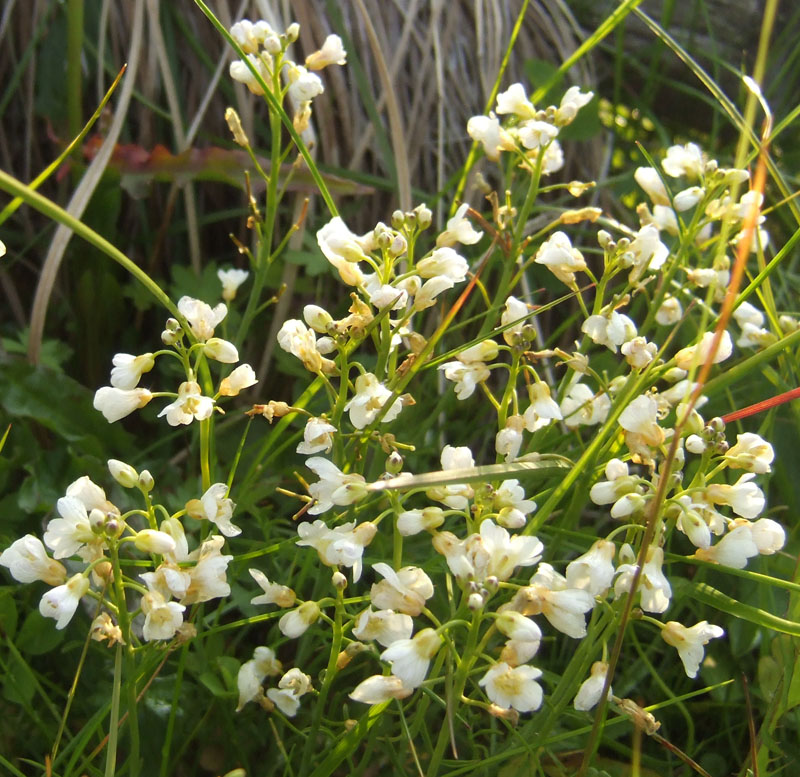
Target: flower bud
{"x":152,"y":541}
{"x":235,"y":126}
{"x":394,"y":463}
{"x":123,"y":473}
{"x":339,"y":581}
{"x":424,"y":216}
{"x":398,"y":219}
{"x":146,"y":481}
{"x":293,"y":32}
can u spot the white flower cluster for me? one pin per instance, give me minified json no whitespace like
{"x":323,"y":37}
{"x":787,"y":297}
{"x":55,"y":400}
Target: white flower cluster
{"x":265,"y":51}
{"x":124,"y":395}
{"x":92,"y":529}
{"x":530,"y":133}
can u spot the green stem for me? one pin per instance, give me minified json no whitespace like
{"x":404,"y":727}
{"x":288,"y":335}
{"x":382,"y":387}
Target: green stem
{"x":459,"y":683}
{"x":48,"y":208}
{"x":130,"y":662}
{"x":330,"y":673}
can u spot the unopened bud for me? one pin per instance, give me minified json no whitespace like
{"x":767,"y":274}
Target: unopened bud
{"x":394,"y":463}
{"x":424,"y":216}
{"x":146,"y":481}
{"x":339,"y":580}
{"x":398,"y":219}
{"x":123,"y":473}
{"x":605,"y":239}
{"x":235,"y":126}
{"x":293,"y":32}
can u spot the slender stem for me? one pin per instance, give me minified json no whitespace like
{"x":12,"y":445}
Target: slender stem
{"x":113,"y":722}
{"x":330,"y":673}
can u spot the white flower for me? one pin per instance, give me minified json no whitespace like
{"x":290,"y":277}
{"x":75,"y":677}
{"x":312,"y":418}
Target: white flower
{"x":487,"y":131}
{"x":67,"y":534}
{"x":751,"y":452}
{"x":202,"y":318}
{"x":62,"y":601}
{"x":333,"y":487}
{"x":465,"y":376}
{"x":459,"y":229}
{"x":543,"y":408}
{"x":432,"y":288}
{"x":638,"y":352}
{"x":511,"y":505}
{"x":508,"y":440}
{"x":515,"y":101}
{"x":768,"y":535}
{"x":694,"y":355}
{"x":550,"y":595}
{"x":231,"y":280}
{"x":654,"y":587}
{"x":683,"y":161}
{"x":295,"y":622}
{"x":370,"y":397}
{"x":252,"y":674}
{"x":688,"y":198}
{"x":221,"y":350}
{"x":169,"y":580}
{"x":128,"y":369}
{"x":380,"y":688}
{"x":152,"y":541}
{"x":343,"y":249}
{"x":553,"y":157}
{"x":534,"y":134}
{"x":517,"y":627}
{"x":649,"y":179}
{"x":411,"y":522}
{"x":558,"y":255}
{"x":410,"y":658}
{"x":303,"y":85}
{"x":296,"y":338}
{"x":208,"y":576}
{"x":640,"y":421}
{"x":507,"y":552}
{"x":27,"y":560}
{"x":690,"y":642}
{"x":291,"y":687}
{"x":215,"y":506}
{"x":594,"y":570}
{"x":669,"y":312}
{"x":457,"y":495}
{"x":317,"y":437}
{"x":581,"y":407}
{"x":733,"y":550}
{"x":341,"y":546}
{"x":331,"y":53}
{"x":514,"y":310}
{"x":610,"y":330}
{"x":274,"y":593}
{"x":572,"y":101}
{"x":646,"y":252}
{"x":405,"y":590}
{"x":513,"y":687}
{"x":592,"y":688}
{"x":239,"y":71}
{"x":241,"y":378}
{"x":443,"y":261}
{"x":744,"y":498}
{"x":385,"y":626}
{"x":115,"y":403}
{"x":189,"y":405}
{"x":746,"y":313}
{"x":664,"y":218}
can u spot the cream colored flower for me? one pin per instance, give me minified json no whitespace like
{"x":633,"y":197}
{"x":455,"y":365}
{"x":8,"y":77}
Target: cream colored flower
{"x":331,"y":53}
{"x":62,"y":601}
{"x":690,"y":642}
{"x":515,"y":688}
{"x":128,"y":369}
{"x":231,"y":280}
{"x":27,"y":560}
{"x":190,"y":405}
{"x":115,"y":403}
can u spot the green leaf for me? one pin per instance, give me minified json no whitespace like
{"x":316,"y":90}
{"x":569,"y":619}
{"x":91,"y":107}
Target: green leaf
{"x":38,"y":635}
{"x":719,"y":601}
{"x":19,"y":684}
{"x":8,"y":613}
